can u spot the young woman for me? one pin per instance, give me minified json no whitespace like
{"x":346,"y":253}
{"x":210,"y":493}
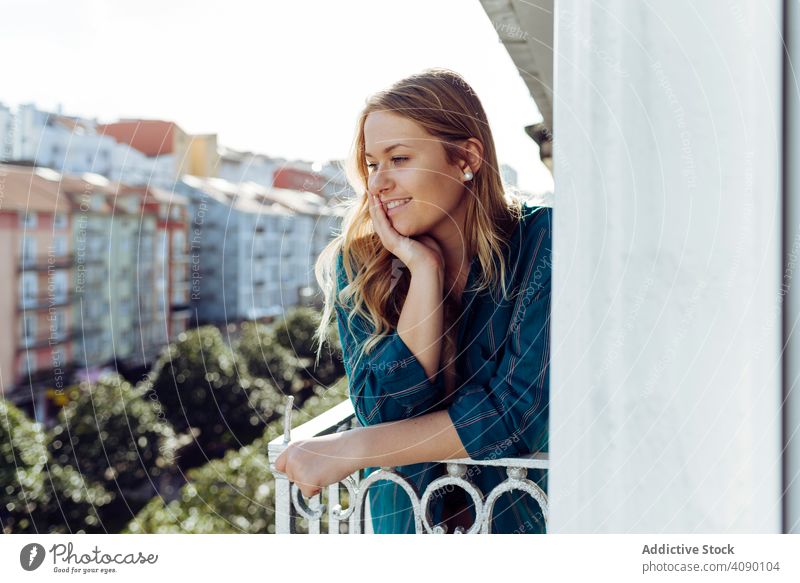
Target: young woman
{"x":440,"y":281}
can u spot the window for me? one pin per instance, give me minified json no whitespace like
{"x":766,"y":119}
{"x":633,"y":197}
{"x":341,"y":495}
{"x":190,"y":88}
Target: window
{"x":131,"y":205}
{"x":162,"y":245}
{"x":60,"y":245}
{"x":60,"y":285}
{"x":178,"y":242}
{"x":179,"y":295}
{"x":60,"y":221}
{"x":29,"y":327}
{"x":60,"y":324}
{"x":97,"y":247}
{"x":28,"y":220}
{"x":29,"y":287}
{"x":27,"y":363}
{"x":28,"y":248}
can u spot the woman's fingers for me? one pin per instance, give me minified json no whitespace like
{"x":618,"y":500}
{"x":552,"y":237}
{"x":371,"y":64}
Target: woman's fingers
{"x":280,"y":463}
{"x":373,"y":214}
{"x":408,"y":250}
{"x":383,"y":227}
{"x":375,"y":210}
{"x":309,"y":491}
{"x":295,"y":462}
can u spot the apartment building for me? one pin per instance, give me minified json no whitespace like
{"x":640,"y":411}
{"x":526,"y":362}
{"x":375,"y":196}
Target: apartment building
{"x":243,"y":250}
{"x":166,"y":254}
{"x":96,"y":274}
{"x":36,"y":270}
{"x":73,"y":145}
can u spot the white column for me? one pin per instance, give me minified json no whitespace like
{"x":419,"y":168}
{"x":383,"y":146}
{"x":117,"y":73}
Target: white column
{"x":666,"y":333}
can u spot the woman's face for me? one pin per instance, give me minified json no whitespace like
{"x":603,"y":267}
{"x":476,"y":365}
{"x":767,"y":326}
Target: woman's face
{"x":417,"y":170}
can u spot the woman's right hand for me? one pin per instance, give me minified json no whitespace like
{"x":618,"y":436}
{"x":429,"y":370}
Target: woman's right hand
{"x":420,"y":253}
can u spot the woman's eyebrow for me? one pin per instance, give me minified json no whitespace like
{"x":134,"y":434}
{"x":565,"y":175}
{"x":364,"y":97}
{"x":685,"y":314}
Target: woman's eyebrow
{"x":389,"y":149}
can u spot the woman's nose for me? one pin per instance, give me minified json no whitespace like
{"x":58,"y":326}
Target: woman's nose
{"x":378,"y":182}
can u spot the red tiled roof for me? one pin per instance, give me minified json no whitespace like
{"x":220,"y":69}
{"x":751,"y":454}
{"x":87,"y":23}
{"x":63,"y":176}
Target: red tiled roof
{"x":152,"y":137}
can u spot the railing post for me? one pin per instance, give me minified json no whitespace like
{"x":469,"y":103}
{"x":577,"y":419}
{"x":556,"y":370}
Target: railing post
{"x":285,"y":513}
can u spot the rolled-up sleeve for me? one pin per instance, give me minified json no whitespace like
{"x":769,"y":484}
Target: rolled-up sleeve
{"x":508,"y":415}
{"x":389,"y":383}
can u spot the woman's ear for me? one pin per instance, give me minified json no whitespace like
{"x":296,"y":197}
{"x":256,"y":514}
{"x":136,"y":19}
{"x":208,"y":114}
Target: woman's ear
{"x":472,"y":155}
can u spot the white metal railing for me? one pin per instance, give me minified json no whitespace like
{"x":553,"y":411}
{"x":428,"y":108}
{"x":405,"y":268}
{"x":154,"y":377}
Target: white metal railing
{"x":290,"y":504}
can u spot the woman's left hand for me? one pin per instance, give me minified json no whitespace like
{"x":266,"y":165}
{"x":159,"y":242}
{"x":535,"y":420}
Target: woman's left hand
{"x":315,"y":463}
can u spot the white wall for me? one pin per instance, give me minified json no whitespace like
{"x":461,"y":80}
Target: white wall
{"x":665,"y":386}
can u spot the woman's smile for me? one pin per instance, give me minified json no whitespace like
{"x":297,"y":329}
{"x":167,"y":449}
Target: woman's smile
{"x":394,"y":206}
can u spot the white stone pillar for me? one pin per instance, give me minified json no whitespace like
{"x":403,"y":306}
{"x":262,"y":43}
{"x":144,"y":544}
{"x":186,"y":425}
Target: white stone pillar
{"x":666,"y":340}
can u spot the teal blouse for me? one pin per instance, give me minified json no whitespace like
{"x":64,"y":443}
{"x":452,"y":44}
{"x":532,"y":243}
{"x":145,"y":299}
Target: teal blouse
{"x":500,"y":408}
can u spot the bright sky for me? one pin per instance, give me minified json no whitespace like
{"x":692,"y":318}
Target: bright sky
{"x":282,"y":78}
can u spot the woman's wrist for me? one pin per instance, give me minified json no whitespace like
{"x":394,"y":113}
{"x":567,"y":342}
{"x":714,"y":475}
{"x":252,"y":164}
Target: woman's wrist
{"x":427,"y":268}
{"x":358,"y":447}
{"x":420,"y":324}
{"x":428,"y":437}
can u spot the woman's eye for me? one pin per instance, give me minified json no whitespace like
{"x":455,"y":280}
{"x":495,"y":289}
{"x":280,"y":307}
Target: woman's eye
{"x":395,"y":159}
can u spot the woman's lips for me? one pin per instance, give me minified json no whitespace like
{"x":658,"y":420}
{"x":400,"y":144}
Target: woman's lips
{"x":398,"y":208}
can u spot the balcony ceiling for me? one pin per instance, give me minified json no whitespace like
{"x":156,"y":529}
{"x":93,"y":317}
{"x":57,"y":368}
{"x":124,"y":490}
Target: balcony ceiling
{"x":526,"y":30}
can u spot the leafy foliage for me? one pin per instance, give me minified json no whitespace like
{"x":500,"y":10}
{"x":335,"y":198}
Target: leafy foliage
{"x":201,"y":383}
{"x":38,"y":495}
{"x":109,"y":434}
{"x":112,"y":435}
{"x":296,"y":333}
{"x":234,"y":494}
{"x":115,"y":446}
{"x":266,"y":358}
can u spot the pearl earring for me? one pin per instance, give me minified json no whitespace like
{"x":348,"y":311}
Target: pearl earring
{"x":468,"y":175}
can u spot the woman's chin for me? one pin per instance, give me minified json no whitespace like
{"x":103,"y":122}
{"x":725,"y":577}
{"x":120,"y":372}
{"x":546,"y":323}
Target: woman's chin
{"x":402,"y":227}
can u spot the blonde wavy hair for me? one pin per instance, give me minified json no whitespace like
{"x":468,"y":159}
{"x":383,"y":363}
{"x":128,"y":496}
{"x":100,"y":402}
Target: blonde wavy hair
{"x":444,"y":104}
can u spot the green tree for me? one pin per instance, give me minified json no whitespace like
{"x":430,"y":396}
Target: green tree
{"x":234,"y":494}
{"x":39,"y":496}
{"x":201,"y":383}
{"x":111,"y":434}
{"x":266,"y":358}
{"x":296,"y":333}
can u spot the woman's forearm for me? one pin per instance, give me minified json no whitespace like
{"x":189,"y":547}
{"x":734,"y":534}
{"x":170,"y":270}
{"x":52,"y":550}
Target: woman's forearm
{"x":421,"y":321}
{"x":426,"y":438}
{"x":326,"y":459}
